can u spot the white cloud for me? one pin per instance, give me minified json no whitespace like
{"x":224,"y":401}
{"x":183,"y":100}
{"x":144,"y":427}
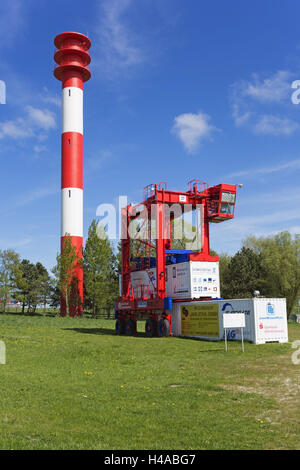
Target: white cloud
{"x":239,"y":117}
{"x":118,"y":45}
{"x":251,"y":100}
{"x":17,"y":129}
{"x":27,"y":127}
{"x":43,"y":118}
{"x":12,"y":14}
{"x":231,"y":233}
{"x":266,"y":222}
{"x":39,"y":149}
{"x":28,"y":198}
{"x":259,"y":213}
{"x":12,"y":244}
{"x":284,"y":197}
{"x":289,"y":165}
{"x":49,"y":98}
{"x":275,"y":125}
{"x":36,"y":195}
{"x":273,"y":89}
{"x":193,"y":129}
{"x":95,"y":163}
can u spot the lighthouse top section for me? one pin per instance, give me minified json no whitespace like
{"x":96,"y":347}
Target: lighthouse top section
{"x":72,"y":58}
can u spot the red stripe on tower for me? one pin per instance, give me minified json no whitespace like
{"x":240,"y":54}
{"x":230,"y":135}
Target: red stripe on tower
{"x":72,"y":70}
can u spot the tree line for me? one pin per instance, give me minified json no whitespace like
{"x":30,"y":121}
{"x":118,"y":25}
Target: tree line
{"x":270,"y":265}
{"x":32,"y":285}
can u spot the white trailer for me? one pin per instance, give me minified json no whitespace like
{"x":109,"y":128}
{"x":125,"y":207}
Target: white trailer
{"x":266,"y":319}
{"x":188,"y":280}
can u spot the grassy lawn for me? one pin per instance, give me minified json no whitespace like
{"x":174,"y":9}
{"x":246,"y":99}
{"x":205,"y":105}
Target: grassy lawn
{"x":72,"y":384}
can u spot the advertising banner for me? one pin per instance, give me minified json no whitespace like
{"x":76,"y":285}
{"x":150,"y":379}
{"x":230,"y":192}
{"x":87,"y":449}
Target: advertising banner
{"x":200,"y":320}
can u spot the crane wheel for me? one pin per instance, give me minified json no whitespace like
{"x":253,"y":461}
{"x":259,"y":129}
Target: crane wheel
{"x":150,"y":328}
{"x":130,"y":328}
{"x":120,"y":326}
{"x":163,"y":327}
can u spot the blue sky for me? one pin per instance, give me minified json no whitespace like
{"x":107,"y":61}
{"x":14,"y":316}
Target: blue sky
{"x":179,"y":90}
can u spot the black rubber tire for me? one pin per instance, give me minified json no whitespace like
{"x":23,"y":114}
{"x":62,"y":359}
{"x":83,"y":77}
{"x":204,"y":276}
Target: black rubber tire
{"x":163,"y":328}
{"x":120,"y":326}
{"x":130,"y":328}
{"x":150,"y":328}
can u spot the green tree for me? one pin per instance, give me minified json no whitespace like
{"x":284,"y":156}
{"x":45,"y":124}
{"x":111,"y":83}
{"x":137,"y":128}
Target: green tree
{"x":242,"y":274}
{"x":54,"y":296}
{"x":280,"y":261}
{"x":224,"y":270}
{"x":22,"y":282}
{"x":100,"y":270}
{"x":43,"y":284}
{"x":9,"y":265}
{"x":32,"y":285}
{"x":65,"y":274}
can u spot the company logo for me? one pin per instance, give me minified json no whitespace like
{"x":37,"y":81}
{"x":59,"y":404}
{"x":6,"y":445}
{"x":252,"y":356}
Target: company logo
{"x":185,"y":312}
{"x":270,"y":309}
{"x":227,"y":308}
{"x":230,"y":334}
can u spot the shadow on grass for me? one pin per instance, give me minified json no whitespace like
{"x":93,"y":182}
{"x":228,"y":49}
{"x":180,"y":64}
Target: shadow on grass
{"x":101,"y":331}
{"x":111,"y":332}
{"x":29,"y":315}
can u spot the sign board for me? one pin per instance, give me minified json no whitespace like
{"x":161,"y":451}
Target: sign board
{"x":193,"y":280}
{"x":234,"y":320}
{"x":270,"y":320}
{"x":200,"y":320}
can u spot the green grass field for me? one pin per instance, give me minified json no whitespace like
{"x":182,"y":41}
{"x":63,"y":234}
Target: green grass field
{"x":72,"y":384}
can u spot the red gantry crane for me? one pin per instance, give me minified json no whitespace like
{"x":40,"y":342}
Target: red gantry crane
{"x":153,"y":274}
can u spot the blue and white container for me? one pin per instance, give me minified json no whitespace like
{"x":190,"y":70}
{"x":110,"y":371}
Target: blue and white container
{"x":265,"y":319}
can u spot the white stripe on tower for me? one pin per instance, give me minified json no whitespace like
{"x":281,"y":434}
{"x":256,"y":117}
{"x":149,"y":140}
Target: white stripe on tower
{"x":72,"y":110}
{"x":72,"y":211}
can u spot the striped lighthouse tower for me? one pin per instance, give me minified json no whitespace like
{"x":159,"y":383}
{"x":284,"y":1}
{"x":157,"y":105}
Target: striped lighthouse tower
{"x":72,"y":70}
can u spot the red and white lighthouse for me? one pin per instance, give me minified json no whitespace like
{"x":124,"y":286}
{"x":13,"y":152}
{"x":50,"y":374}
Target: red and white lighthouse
{"x":72,"y":70}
